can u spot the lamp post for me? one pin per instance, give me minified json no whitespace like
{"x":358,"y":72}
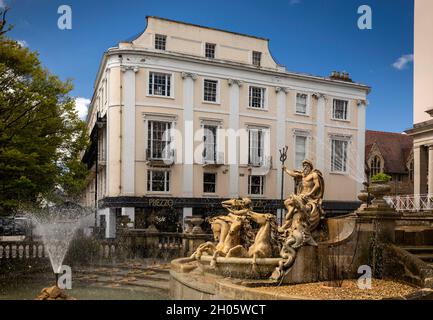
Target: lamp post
{"x":283,"y":158}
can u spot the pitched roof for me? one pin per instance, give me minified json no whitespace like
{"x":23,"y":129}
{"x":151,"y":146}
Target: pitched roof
{"x":394,"y":147}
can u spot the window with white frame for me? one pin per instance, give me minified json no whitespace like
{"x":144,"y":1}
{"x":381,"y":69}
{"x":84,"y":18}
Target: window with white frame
{"x":257,"y":58}
{"x":209,"y":182}
{"x":339,"y":153}
{"x":209,"y":142}
{"x":158,"y":140}
{"x":210,"y":90}
{"x":339,"y":110}
{"x":256,"y":185}
{"x":210,"y":50}
{"x":160,"y":41}
{"x":257,"y":97}
{"x":301,"y":103}
{"x":158,"y":180}
{"x":300,"y":150}
{"x":256,"y":138}
{"x":159,"y":84}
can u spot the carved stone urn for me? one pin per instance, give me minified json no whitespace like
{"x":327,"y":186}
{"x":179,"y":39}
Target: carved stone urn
{"x":197,"y":221}
{"x":363,"y":196}
{"x":379,"y":189}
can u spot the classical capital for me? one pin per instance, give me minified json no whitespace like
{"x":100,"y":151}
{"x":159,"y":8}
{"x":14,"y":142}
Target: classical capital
{"x":319,"y":95}
{"x":281,"y":89}
{"x":126,"y":68}
{"x":191,"y":75}
{"x":234,"y":81}
{"x":361,"y":103}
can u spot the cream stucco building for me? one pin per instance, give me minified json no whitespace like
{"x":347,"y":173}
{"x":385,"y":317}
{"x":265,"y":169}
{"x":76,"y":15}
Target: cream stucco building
{"x":422,"y":131}
{"x":167,"y":109}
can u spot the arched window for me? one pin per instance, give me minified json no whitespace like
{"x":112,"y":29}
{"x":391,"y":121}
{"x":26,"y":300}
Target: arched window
{"x":375,"y":166}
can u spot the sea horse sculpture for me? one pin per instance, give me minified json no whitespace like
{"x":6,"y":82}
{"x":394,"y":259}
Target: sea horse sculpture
{"x":220,"y":229}
{"x":235,"y":235}
{"x":266,"y":241}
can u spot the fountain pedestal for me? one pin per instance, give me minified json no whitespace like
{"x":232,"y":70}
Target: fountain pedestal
{"x":306,"y":267}
{"x":379,"y":213}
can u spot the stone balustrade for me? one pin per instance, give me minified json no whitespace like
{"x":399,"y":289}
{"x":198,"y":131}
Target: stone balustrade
{"x":10,"y":250}
{"x":150,"y":243}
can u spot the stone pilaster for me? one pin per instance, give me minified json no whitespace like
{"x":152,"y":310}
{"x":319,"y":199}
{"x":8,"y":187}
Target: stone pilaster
{"x":188,"y":137}
{"x":430,"y":169}
{"x":233,"y":144}
{"x":128,"y":131}
{"x":360,"y":160}
{"x":320,"y":127}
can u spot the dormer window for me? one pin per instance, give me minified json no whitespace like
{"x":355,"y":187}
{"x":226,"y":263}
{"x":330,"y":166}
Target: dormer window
{"x":160,"y":41}
{"x":257,"y":58}
{"x":210,"y":50}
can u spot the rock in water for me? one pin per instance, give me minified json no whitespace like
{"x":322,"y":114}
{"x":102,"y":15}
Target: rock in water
{"x":53,"y":293}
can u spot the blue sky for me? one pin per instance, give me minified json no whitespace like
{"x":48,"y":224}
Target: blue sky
{"x":309,"y":36}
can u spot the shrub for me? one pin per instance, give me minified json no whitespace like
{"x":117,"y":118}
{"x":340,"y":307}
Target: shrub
{"x":82,"y":251}
{"x":381,"y":177}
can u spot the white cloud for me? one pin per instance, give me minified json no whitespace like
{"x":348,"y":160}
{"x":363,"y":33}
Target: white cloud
{"x":22,"y":43}
{"x":2,"y":4}
{"x":294,"y":2}
{"x":403,"y":62}
{"x":82,"y":105}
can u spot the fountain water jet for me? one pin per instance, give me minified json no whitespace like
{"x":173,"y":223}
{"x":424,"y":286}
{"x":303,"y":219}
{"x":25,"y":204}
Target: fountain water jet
{"x":57,"y":225}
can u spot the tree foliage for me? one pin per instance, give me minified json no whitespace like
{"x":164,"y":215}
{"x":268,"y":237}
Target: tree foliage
{"x":41,"y":135}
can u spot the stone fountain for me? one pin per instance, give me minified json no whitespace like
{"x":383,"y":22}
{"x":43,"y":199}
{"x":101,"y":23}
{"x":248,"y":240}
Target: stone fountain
{"x":250,"y":245}
{"x":251,"y":251}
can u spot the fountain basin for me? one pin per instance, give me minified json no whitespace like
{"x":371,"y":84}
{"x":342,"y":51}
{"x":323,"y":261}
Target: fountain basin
{"x":241,"y":268}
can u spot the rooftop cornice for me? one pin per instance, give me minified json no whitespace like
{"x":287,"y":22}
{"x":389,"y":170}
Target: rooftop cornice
{"x":242,"y":66}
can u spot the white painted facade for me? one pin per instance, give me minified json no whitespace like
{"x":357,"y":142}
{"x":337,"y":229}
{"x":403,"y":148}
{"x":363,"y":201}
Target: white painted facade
{"x":123,"y":98}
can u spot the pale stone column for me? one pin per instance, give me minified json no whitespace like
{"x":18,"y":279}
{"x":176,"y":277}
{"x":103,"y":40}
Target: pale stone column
{"x":233,"y":144}
{"x":128,"y":131}
{"x":281,"y":140}
{"x":420,"y":170}
{"x":110,"y":219}
{"x":187,"y":212}
{"x":360,"y":161}
{"x":430,"y":169}
{"x":188,"y":138}
{"x":320,"y":127}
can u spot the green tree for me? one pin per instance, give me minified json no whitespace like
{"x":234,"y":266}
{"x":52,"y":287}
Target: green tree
{"x":41,"y":135}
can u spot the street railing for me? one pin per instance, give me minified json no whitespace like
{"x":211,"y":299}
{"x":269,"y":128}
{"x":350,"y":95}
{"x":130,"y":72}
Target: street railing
{"x":411,"y":202}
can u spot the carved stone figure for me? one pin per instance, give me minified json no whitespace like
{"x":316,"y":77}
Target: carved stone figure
{"x":235,"y":237}
{"x":310,"y":194}
{"x":304,"y":211}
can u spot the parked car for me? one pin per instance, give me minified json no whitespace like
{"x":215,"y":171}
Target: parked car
{"x":16,"y":226}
